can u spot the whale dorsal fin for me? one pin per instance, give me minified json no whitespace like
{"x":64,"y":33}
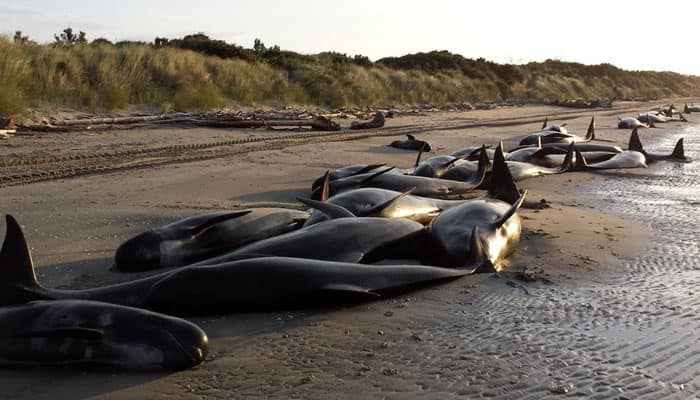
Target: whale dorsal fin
{"x":678,"y":152}
{"x":685,"y":109}
{"x":511,"y":211}
{"x":378,"y":208}
{"x":502,"y":185}
{"x":590,"y":133}
{"x":670,"y":111}
{"x":325,"y":186}
{"x":477,"y":257}
{"x":635,"y":144}
{"x":410,"y":137}
{"x":568,"y":163}
{"x":333,"y":211}
{"x":544,"y":124}
{"x":217,"y":219}
{"x":18,"y":282}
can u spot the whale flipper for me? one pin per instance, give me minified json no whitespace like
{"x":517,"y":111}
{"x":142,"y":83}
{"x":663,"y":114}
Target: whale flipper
{"x":511,"y":211}
{"x":333,"y":211}
{"x":377,"y":209}
{"x":369,"y":178}
{"x":217,"y":219}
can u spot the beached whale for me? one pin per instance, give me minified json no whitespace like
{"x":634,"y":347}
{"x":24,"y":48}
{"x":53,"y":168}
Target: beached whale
{"x":384,"y":203}
{"x":678,"y":154}
{"x":262,"y":284}
{"x":86,"y":334}
{"x":355,"y":240}
{"x":626,"y":159}
{"x":558,"y":136}
{"x":377,"y":202}
{"x":691,"y":108}
{"x":350,"y":170}
{"x":420,"y":186}
{"x":435,"y":167}
{"x":631,"y":123}
{"x":411,"y":144}
{"x":520,"y":170}
{"x":473,"y":152}
{"x":495,"y":222}
{"x":204,"y":236}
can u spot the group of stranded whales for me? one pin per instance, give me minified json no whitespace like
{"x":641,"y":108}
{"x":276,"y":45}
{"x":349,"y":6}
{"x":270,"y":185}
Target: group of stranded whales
{"x":370,"y":231}
{"x":649,"y":119}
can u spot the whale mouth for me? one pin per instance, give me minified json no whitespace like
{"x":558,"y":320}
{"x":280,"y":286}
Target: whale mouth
{"x":194,"y":354}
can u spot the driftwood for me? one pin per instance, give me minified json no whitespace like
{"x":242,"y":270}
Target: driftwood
{"x":582,"y":103}
{"x":376,"y":122}
{"x":120,"y":120}
{"x":152,"y":121}
{"x":5,"y":133}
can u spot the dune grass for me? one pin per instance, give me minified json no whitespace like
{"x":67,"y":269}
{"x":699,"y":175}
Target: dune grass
{"x":103,"y":76}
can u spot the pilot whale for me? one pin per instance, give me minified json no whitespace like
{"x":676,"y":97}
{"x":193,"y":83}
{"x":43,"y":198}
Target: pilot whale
{"x":254,"y":284}
{"x":86,"y":333}
{"x":204,"y":236}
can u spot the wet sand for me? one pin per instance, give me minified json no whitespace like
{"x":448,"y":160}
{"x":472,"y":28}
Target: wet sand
{"x":532,"y":331}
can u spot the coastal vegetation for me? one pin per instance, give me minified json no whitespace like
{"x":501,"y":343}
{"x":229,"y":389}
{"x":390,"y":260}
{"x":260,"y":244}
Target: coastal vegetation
{"x":200,"y":73}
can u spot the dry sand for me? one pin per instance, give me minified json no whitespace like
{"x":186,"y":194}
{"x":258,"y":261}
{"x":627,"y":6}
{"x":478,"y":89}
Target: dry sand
{"x":482,"y":336}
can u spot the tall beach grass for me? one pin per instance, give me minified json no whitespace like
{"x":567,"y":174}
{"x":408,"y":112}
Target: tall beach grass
{"x":102,"y":76}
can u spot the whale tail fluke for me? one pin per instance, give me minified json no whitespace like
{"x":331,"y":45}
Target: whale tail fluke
{"x":502,"y":185}
{"x":678,"y":151}
{"x":18,"y":282}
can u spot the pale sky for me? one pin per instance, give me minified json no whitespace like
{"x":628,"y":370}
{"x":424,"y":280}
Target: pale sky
{"x":639,"y":34}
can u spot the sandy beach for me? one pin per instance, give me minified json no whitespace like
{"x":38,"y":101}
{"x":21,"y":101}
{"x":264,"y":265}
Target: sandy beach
{"x":532,"y":331}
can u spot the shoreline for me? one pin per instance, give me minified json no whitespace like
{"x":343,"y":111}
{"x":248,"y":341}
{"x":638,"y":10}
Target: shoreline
{"x":315,"y":354}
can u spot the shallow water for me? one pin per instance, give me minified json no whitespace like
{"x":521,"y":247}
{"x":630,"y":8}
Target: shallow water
{"x":635,"y":335}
